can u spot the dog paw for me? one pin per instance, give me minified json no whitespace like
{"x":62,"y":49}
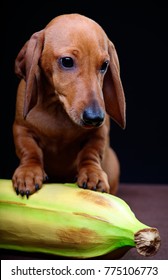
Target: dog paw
{"x":28,"y":179}
{"x":94,"y":179}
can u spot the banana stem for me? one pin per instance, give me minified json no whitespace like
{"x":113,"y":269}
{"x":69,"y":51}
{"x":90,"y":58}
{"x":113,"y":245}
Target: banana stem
{"x":147,"y":241}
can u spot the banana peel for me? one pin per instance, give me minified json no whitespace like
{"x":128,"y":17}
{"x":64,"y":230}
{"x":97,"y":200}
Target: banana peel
{"x":64,"y":220}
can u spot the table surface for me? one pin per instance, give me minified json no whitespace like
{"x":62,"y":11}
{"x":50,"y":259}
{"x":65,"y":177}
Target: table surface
{"x":149,"y":204}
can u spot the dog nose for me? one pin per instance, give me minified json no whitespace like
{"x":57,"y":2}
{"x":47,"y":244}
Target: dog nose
{"x":93,"y":116}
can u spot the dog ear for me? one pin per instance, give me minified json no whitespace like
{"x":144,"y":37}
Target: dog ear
{"x":113,"y":91}
{"x":26,"y":67}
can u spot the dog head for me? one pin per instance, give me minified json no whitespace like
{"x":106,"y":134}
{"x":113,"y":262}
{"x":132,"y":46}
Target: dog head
{"x":81,"y":65}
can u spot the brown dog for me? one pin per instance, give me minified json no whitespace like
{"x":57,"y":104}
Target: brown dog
{"x":70,"y":79}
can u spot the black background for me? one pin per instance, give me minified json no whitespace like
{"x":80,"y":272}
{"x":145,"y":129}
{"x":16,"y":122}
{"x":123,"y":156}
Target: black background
{"x":140,"y":36}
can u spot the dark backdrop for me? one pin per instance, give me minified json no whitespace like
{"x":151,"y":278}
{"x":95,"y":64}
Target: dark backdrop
{"x":140,"y":36}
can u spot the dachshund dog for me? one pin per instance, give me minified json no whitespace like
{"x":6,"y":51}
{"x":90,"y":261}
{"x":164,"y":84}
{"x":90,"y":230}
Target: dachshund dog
{"x":70,"y":87}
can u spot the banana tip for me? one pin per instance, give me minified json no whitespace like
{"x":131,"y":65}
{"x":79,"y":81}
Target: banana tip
{"x":147,"y":241}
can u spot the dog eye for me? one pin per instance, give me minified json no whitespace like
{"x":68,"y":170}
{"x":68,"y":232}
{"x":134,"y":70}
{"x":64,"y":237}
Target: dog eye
{"x":104,"y":66}
{"x":67,"y":62}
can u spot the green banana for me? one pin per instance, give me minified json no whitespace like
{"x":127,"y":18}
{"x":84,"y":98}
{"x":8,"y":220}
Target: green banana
{"x":64,"y":220}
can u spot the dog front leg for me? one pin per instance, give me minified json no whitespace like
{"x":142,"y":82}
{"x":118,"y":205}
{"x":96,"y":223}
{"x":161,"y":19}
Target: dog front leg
{"x":29,"y":176}
{"x":90,"y":173}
